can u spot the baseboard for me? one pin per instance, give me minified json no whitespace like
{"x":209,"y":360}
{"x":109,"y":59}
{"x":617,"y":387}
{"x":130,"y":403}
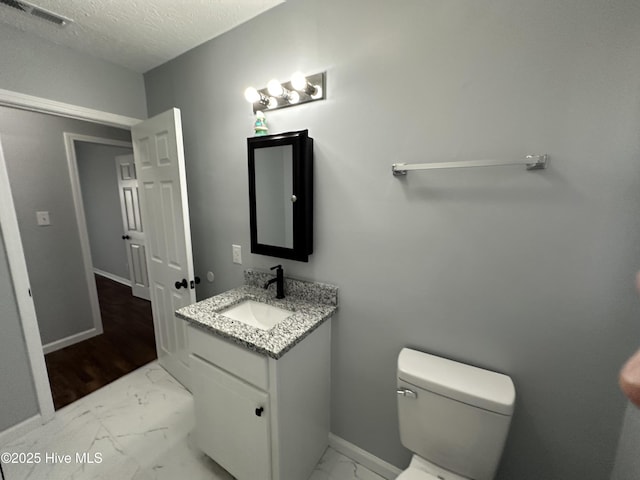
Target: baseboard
{"x":70,"y":340}
{"x":364,"y":458}
{"x":22,"y":428}
{"x":111,"y":276}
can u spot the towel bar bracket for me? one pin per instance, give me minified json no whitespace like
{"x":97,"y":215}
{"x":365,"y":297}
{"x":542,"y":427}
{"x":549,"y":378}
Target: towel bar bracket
{"x":539,"y":162}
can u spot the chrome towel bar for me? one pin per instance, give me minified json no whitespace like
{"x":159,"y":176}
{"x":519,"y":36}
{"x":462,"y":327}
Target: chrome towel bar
{"x":532,"y":162}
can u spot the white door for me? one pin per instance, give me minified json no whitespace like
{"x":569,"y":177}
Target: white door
{"x":133,"y":233}
{"x":159,"y":161}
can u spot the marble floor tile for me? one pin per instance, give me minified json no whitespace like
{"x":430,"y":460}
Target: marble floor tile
{"x":335,"y":466}
{"x":187,"y":462}
{"x":136,"y":428}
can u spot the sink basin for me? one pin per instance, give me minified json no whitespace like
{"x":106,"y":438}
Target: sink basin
{"x":256,"y":314}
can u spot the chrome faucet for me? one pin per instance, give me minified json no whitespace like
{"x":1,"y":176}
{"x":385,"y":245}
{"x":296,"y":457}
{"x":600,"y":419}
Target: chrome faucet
{"x":279,"y":281}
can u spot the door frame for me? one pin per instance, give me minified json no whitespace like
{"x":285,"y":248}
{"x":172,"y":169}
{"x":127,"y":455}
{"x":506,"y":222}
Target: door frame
{"x":15,"y":252}
{"x":22,"y":290}
{"x":9,"y":98}
{"x":81,"y":219}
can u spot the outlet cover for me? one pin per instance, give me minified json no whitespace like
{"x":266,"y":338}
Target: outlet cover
{"x":237,"y":254}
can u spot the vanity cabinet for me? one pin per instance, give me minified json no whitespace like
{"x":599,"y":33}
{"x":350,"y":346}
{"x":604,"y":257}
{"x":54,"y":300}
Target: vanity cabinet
{"x":258,"y":417}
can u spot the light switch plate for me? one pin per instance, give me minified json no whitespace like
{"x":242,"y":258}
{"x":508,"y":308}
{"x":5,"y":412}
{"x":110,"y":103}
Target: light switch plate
{"x":237,"y":254}
{"x":43,"y":218}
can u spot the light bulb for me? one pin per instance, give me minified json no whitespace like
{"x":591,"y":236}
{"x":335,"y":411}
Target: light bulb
{"x":298,"y":81}
{"x":273,"y":102}
{"x":317,"y":93}
{"x":252,"y":95}
{"x":294,"y":97}
{"x":275,"y":88}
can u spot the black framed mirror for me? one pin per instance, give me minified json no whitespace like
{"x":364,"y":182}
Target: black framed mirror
{"x":281,"y":195}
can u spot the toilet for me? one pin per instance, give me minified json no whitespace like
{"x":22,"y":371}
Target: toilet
{"x":453,"y":417}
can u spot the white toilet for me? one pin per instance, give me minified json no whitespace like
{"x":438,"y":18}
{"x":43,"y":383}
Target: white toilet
{"x":453,"y":417}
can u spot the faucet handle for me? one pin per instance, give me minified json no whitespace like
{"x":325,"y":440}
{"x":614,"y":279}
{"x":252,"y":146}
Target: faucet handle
{"x":279,"y":267}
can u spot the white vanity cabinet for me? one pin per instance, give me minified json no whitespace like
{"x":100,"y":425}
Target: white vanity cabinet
{"x":258,"y":417}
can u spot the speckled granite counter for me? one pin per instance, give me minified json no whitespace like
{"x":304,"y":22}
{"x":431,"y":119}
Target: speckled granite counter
{"x":312,"y":304}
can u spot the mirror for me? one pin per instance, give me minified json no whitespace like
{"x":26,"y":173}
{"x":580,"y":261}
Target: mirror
{"x":274,"y":188}
{"x":281,"y":194}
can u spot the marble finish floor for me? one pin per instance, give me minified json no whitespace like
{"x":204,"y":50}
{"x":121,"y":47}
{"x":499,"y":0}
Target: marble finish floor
{"x":136,"y":428}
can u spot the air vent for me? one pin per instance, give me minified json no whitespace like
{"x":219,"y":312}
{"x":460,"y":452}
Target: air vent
{"x":34,"y":10}
{"x":13,"y":4}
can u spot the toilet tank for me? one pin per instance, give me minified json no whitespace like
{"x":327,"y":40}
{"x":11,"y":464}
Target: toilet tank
{"x":454,"y":415}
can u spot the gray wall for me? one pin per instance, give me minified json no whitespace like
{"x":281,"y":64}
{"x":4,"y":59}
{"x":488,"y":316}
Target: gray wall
{"x":17,"y":395}
{"x":36,"y":160}
{"x":33,"y":66}
{"x":627,"y":465}
{"x":526,"y":273}
{"x":99,"y":183}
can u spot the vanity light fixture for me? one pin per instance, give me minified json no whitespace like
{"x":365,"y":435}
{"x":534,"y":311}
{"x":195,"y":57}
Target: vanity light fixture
{"x":301,"y":89}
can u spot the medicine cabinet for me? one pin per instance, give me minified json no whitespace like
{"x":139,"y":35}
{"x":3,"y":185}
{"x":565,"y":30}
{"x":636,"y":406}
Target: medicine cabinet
{"x":281,"y":195}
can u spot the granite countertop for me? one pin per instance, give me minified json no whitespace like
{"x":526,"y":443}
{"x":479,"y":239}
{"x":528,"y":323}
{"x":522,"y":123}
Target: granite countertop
{"x":311,"y":303}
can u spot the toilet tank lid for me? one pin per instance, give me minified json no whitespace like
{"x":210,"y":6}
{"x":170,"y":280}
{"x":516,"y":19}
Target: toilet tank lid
{"x":468,"y":384}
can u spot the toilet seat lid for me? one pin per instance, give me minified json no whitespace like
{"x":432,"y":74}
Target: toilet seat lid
{"x":415,"y":474}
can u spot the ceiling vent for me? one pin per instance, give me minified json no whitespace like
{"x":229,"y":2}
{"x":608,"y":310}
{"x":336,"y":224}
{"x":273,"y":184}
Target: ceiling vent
{"x":31,"y":9}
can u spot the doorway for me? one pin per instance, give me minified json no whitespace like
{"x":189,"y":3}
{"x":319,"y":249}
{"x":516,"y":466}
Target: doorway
{"x":164,"y":131}
{"x":126,"y":344}
{"x":125,"y":337}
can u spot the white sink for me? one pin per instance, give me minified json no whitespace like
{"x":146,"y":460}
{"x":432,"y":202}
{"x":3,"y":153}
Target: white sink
{"x":256,"y":314}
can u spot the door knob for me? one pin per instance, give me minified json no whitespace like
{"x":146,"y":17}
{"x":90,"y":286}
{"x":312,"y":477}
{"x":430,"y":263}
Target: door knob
{"x":182,"y":284}
{"x":194,"y":282}
{"x":259,"y":411}
{"x":126,"y":237}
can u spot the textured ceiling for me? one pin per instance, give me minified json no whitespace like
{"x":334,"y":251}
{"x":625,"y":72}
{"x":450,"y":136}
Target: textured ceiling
{"x":136,"y":34}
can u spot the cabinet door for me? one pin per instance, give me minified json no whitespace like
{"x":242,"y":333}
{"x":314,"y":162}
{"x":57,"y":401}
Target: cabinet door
{"x":230,"y":427}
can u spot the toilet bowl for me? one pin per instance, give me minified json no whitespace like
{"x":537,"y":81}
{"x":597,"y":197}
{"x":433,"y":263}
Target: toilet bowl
{"x":421,"y":469}
{"x":413,"y":474}
{"x":453,"y":417}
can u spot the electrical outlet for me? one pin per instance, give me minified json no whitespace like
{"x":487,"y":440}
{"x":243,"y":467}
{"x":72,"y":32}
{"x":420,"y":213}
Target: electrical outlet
{"x":43,"y":218}
{"x":237,"y":254}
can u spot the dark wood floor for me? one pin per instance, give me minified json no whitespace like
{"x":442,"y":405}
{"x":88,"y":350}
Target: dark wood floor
{"x":128,"y":342}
